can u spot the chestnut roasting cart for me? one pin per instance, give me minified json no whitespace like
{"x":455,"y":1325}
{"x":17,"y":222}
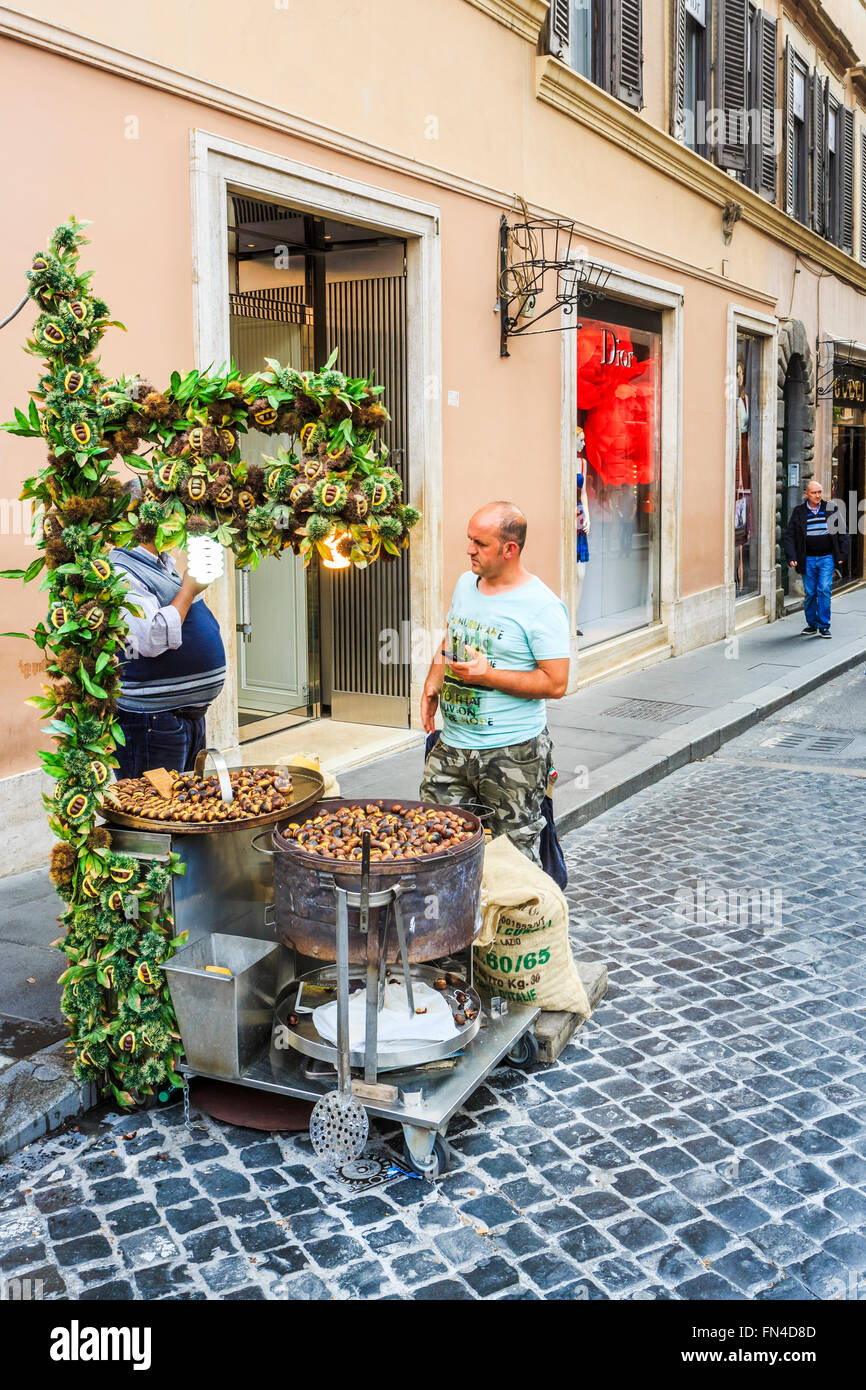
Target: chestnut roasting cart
{"x":263,"y":914}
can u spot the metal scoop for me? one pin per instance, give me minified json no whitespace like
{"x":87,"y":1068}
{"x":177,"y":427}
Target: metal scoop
{"x":339,"y":1126}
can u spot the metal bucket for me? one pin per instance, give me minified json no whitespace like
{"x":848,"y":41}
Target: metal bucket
{"x":440,"y":899}
{"x":225,"y":1020}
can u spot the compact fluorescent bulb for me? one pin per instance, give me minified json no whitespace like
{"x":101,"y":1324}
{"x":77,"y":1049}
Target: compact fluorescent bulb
{"x":205,"y":560}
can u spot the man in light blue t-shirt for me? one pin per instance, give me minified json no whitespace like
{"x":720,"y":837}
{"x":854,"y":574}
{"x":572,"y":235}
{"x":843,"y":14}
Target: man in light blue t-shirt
{"x":505,"y":652}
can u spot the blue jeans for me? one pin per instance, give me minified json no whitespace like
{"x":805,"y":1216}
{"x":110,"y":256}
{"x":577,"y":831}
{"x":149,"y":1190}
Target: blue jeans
{"x":817,"y":582}
{"x":158,"y":740}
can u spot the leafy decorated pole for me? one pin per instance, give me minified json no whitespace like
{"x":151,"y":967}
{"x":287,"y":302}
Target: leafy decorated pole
{"x":337,"y":495}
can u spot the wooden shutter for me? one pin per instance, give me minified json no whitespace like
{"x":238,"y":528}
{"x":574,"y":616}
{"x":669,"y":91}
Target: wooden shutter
{"x":789,"y":128}
{"x":818,"y":141}
{"x":732,"y":19}
{"x":559,"y":32}
{"x":626,"y":28}
{"x":767,"y":60}
{"x":678,"y":68}
{"x":863,"y":195}
{"x":845,"y":159}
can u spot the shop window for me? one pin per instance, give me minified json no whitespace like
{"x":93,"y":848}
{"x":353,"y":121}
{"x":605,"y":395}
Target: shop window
{"x":603,"y":41}
{"x":848,"y":464}
{"x":618,"y":413}
{"x":747,"y":468}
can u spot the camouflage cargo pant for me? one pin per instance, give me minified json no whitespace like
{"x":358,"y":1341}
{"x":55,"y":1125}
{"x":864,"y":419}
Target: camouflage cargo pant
{"x":504,"y":785}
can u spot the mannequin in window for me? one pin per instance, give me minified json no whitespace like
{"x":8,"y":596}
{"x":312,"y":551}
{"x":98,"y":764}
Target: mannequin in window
{"x":582,"y":521}
{"x":743,"y":486}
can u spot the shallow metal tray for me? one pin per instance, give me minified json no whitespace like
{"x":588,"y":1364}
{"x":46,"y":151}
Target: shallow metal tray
{"x":303,"y":1037}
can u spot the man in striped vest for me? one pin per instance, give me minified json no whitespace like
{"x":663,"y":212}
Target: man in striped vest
{"x":174,"y":665}
{"x":816,"y":544}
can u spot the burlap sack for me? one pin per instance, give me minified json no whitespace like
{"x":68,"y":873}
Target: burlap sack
{"x":522,"y":951}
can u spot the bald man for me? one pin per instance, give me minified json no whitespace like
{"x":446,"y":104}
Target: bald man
{"x":505,"y":652}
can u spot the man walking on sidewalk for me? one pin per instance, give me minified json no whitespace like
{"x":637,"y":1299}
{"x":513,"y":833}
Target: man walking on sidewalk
{"x":816,"y":544}
{"x":507,"y":650}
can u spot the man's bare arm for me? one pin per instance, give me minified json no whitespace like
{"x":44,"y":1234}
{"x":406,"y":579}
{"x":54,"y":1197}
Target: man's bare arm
{"x":549,"y":680}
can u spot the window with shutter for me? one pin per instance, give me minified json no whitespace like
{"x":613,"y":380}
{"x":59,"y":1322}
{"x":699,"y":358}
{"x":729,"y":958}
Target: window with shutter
{"x":845,"y":157}
{"x":627,"y":51}
{"x":763,"y":68}
{"x":678,"y":69}
{"x":863,"y":195}
{"x":790,"y":161}
{"x":559,"y":22}
{"x":731,"y":42}
{"x":690,"y":72}
{"x":767,"y":57}
{"x":818,"y":140}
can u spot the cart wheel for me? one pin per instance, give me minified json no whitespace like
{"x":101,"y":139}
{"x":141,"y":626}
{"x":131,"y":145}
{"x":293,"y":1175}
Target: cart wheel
{"x":524,"y":1053}
{"x":439,"y":1156}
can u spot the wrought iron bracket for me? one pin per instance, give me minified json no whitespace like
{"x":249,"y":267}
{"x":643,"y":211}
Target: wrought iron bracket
{"x":530,"y":253}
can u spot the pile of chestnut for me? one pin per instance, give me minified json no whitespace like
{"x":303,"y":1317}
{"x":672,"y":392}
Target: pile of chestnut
{"x":398,"y":833}
{"x":197,"y":800}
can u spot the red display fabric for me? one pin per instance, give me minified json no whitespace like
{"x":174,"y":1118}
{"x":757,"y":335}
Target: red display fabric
{"x":619,"y":399}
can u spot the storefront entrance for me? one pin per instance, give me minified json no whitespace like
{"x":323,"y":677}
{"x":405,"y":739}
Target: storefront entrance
{"x":618,"y":420}
{"x":747,"y":468}
{"x":795,"y":420}
{"x":848,"y":473}
{"x":308,"y":641}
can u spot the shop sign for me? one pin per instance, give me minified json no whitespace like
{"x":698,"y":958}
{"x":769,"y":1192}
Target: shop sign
{"x":612,"y":354}
{"x":849,"y":386}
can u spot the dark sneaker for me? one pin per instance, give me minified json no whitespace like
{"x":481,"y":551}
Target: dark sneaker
{"x":824,"y":632}
{"x":810,"y":630}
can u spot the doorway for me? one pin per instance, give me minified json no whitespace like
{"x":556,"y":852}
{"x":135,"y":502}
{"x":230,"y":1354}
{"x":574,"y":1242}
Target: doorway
{"x":795,"y":420}
{"x":848,"y":486}
{"x":309,"y":641}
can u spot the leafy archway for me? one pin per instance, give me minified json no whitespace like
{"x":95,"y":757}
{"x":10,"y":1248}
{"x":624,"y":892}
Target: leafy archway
{"x":337,"y":493}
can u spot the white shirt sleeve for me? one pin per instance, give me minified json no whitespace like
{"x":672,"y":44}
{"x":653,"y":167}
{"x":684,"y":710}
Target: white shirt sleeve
{"x":158,"y":630}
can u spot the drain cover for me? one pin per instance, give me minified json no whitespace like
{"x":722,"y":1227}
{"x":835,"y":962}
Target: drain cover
{"x":830,"y":743}
{"x":792,"y":738}
{"x":646,"y":709}
{"x":808,"y":741}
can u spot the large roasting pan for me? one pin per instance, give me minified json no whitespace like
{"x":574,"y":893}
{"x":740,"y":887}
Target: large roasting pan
{"x":440,"y":893}
{"x":307,"y":788}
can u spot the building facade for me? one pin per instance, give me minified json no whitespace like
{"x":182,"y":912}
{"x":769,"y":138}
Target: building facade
{"x":288,"y":178}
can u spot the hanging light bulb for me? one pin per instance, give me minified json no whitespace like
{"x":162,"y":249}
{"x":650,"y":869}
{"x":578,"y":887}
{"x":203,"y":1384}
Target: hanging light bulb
{"x":337,"y":561}
{"x":205,"y":560}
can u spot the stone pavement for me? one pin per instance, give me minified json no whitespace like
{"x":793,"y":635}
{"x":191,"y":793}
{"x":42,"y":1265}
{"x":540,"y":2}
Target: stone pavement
{"x":704,"y":1136}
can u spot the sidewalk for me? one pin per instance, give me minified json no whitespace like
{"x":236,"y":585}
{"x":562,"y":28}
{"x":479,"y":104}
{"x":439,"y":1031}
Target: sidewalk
{"x":611,"y":740}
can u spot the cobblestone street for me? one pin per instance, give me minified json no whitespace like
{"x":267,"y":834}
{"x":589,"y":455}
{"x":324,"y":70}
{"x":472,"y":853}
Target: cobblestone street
{"x":703,"y":1137}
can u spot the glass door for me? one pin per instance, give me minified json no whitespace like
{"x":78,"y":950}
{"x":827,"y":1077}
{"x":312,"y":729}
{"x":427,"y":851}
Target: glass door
{"x":275,"y":656}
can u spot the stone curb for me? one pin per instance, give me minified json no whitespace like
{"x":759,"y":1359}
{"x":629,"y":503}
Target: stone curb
{"x":653,"y":761}
{"x":37,"y":1094}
